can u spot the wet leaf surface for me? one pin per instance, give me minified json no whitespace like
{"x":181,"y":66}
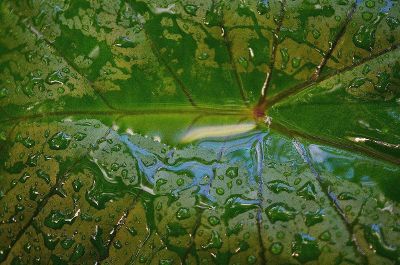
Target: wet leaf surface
{"x":199,"y":132}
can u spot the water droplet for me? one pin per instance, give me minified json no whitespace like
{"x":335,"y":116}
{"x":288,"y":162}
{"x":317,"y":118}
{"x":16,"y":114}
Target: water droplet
{"x":142,"y":259}
{"x":79,"y":251}
{"x":43,"y":175}
{"x":61,"y":90}
{"x":17,"y":260}
{"x":280,"y":212}
{"x":32,"y":160}
{"x":50,"y":241}
{"x":325,"y":236}
{"x":180,"y":182}
{"x":345,"y":196}
{"x":213,"y":220}
{"x":79,"y":136}
{"x":305,"y":248}
{"x":307,"y":191}
{"x":316,"y":33}
{"x":313,"y":218}
{"x":124,"y":42}
{"x":97,"y":240}
{"x":392,"y":22}
{"x":251,"y":259}
{"x":166,"y":262}
{"x":33,"y":193}
{"x":367,"y":16}
{"x":280,"y":234}
{"x":276,"y":248}
{"x":262,"y":7}
{"x":220,"y":191}
{"x":24,"y":177}
{"x":56,"y":219}
{"x":160,"y":182}
{"x":297,"y":181}
{"x":56,"y":77}
{"x":3,"y":92}
{"x":366,"y":69}
{"x":203,"y":56}
{"x":132,"y":231}
{"x":365,"y":36}
{"x":373,"y":234}
{"x":214,"y":15}
{"x":117,"y":244}
{"x":285,"y":57}
{"x":76,"y":185}
{"x":191,"y":9}
{"x":86,"y":217}
{"x":278,"y":186}
{"x":243,"y":62}
{"x":232,"y":172}
{"x":115,"y":166}
{"x":214,"y":241}
{"x":27,"y":247}
{"x":296,"y":62}
{"x":19,"y":207}
{"x":369,"y":4}
{"x":59,"y":141}
{"x":183,"y":213}
{"x":383,"y":82}
{"x":67,"y":243}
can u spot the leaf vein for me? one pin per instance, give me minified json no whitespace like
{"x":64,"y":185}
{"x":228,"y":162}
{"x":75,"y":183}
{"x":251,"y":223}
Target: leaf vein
{"x":332,"y":47}
{"x":332,"y":198}
{"x":275,"y":44}
{"x":35,"y":31}
{"x":311,"y":83}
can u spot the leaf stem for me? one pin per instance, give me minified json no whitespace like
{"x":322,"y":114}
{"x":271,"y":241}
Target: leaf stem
{"x":275,"y":43}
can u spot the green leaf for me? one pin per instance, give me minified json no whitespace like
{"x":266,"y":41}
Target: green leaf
{"x":199,"y":132}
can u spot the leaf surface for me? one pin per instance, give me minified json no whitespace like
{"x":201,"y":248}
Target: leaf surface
{"x":199,"y":132}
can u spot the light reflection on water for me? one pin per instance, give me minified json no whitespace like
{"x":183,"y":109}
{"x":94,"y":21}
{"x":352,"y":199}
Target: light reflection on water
{"x":252,"y":151}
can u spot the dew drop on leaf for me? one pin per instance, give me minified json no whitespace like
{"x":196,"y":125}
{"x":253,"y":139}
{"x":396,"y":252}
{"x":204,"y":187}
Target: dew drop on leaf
{"x":124,"y":42}
{"x":325,"y":236}
{"x":3,"y":92}
{"x":166,"y":262}
{"x":183,"y":213}
{"x":280,"y":212}
{"x":313,"y":218}
{"x":79,"y":251}
{"x":67,"y":243}
{"x":305,"y":248}
{"x":373,"y":234}
{"x":263,"y":7}
{"x":59,"y":141}
{"x":232,"y":172}
{"x":213,"y":220}
{"x":251,"y":259}
{"x":307,"y":191}
{"x":191,"y":9}
{"x":56,"y":77}
{"x":278,"y":186}
{"x":220,"y":191}
{"x":276,"y":248}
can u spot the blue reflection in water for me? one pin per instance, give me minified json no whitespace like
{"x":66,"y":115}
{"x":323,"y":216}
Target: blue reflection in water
{"x":245,"y":150}
{"x":251,"y":152}
{"x":387,"y":7}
